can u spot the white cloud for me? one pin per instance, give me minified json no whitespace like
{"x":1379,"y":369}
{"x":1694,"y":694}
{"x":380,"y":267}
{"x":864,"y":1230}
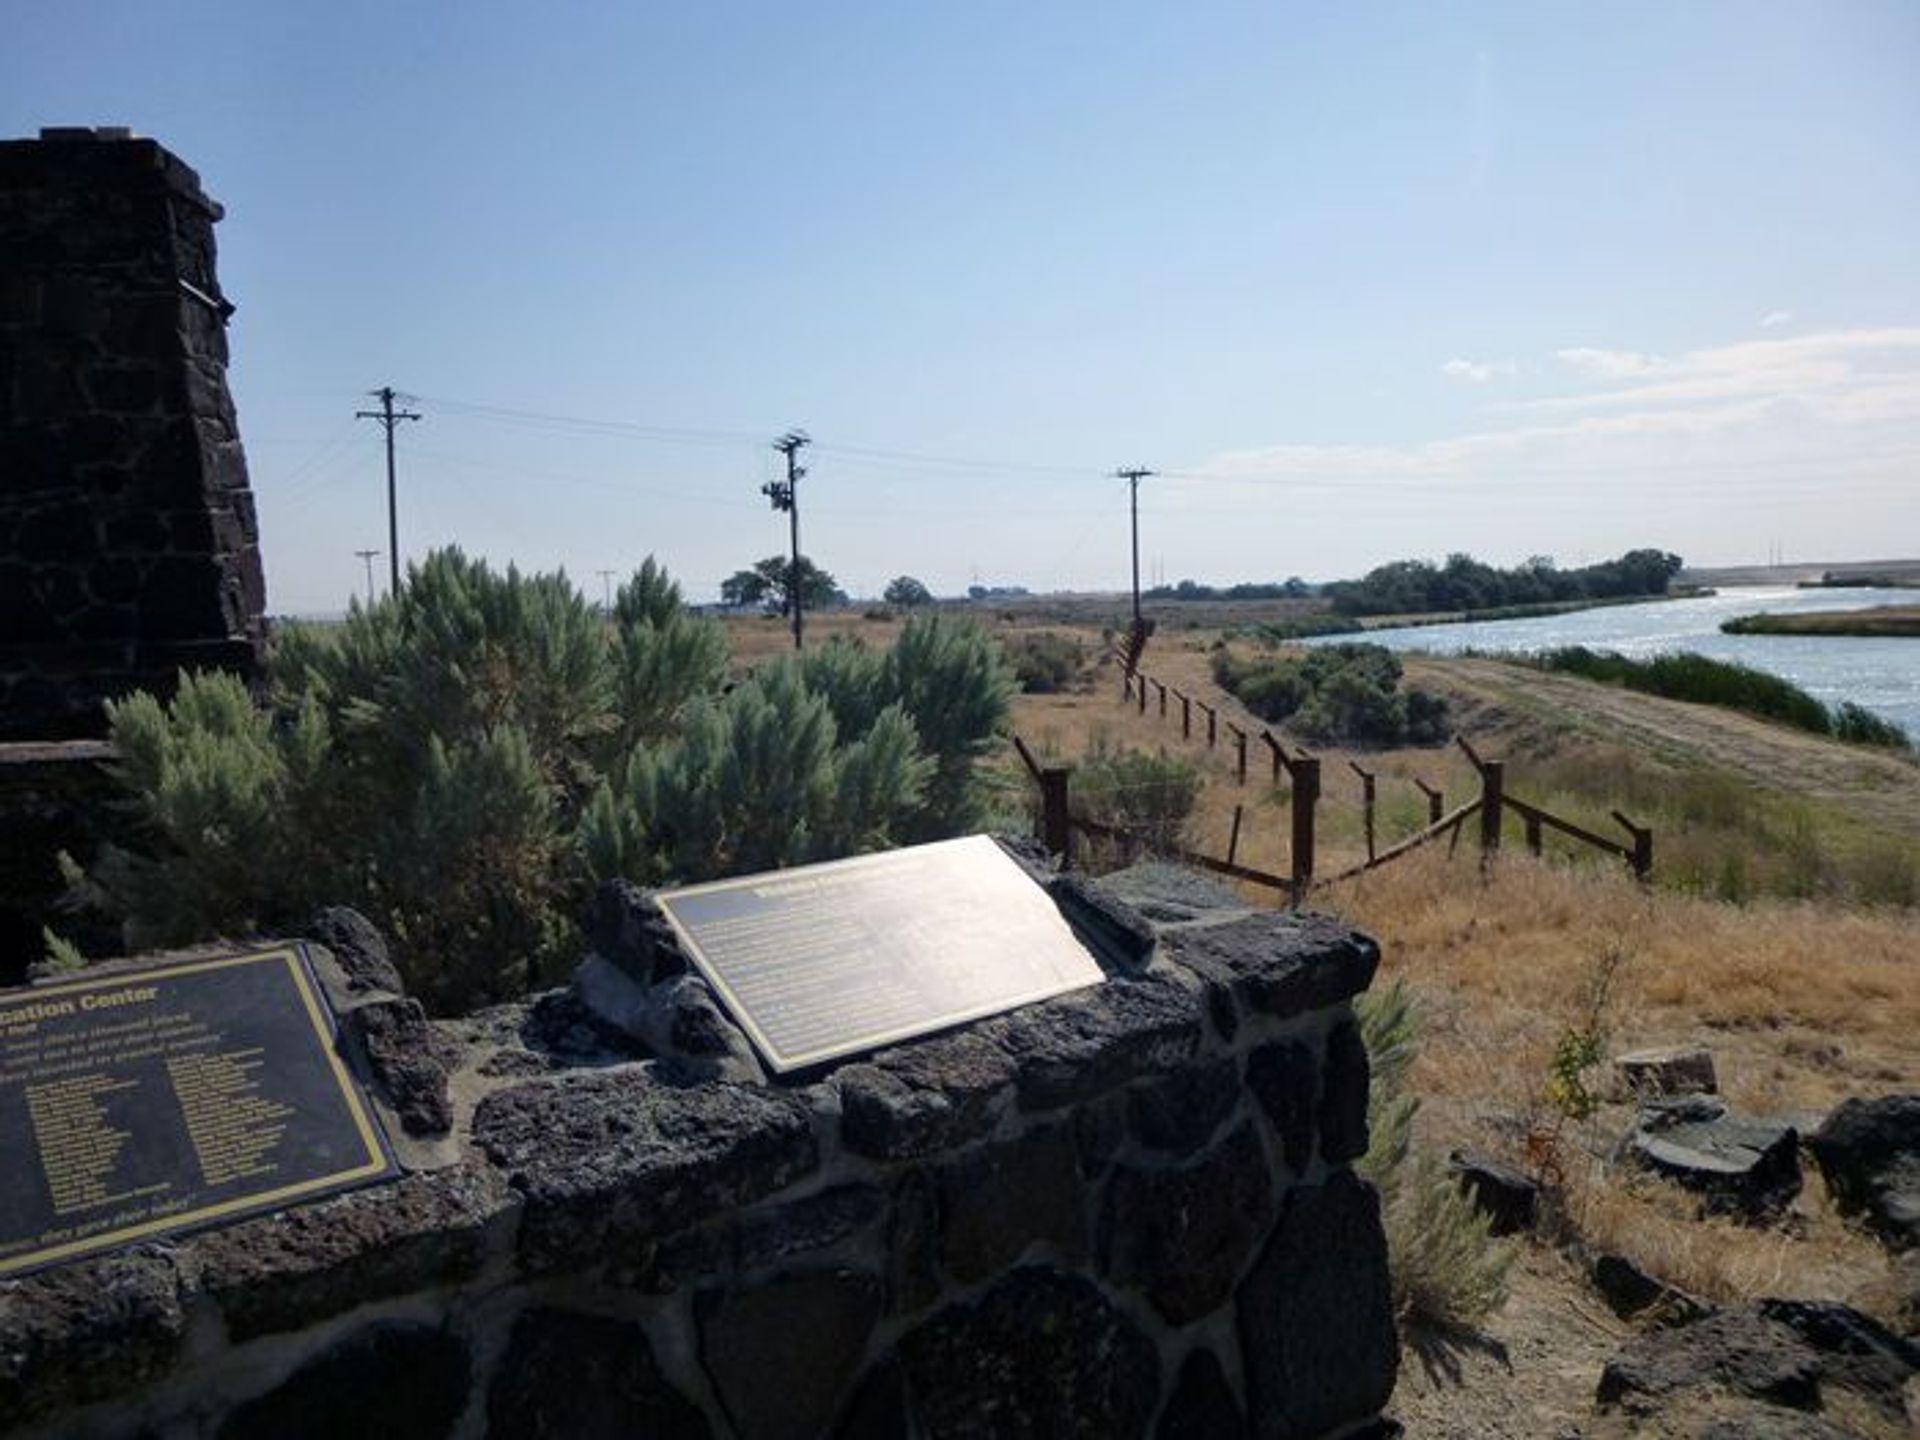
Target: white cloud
{"x":1478,"y":372}
{"x":1744,"y":411}
{"x":1798,"y":368}
{"x":1610,"y":364}
{"x":1773,"y":319}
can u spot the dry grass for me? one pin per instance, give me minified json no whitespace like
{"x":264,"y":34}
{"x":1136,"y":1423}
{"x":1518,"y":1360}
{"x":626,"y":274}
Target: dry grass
{"x":1802,"y":1005}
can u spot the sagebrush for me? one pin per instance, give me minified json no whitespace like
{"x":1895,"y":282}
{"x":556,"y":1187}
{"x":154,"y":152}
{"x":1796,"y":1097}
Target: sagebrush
{"x":465,"y":759}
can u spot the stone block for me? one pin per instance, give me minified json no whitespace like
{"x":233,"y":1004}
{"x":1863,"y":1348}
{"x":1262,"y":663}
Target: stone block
{"x":781,"y":1355}
{"x":84,"y":1332}
{"x":1666,"y":1070}
{"x":1315,"y":1315}
{"x":1505,"y":1196}
{"x":1179,"y":1113}
{"x":1277,"y":963}
{"x":998,"y":1200}
{"x":358,"y":948}
{"x":296,"y":1267}
{"x":1869,"y":1153}
{"x":567,"y":1376}
{"x":420,"y":1375}
{"x":1184,"y":1236}
{"x":916,"y":1099}
{"x":1284,"y":1079}
{"x":407,"y":1060}
{"x":1074,"y":1047}
{"x":1343,"y":1095}
{"x":612,"y":1157}
{"x":1741,"y":1166}
{"x":1040,"y":1356}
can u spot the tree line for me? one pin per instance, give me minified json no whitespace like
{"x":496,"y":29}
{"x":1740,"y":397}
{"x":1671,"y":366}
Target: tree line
{"x":1412,"y":587}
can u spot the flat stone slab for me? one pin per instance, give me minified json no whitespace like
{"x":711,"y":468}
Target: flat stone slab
{"x":1738,"y":1165}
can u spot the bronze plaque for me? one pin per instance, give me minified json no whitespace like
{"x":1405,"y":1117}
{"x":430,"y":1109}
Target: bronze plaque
{"x":156,"y":1100}
{"x":825,"y":960}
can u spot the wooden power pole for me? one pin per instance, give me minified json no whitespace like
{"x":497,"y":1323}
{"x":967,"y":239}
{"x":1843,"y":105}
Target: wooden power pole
{"x":388,"y":418}
{"x":1133,"y":477}
{"x":785,"y":495}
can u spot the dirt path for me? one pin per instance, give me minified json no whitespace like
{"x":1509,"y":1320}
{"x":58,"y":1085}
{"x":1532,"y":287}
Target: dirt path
{"x":1531,"y":1376}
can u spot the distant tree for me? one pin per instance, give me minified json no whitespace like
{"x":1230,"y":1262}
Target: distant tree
{"x":907,"y":592}
{"x":766,"y":585}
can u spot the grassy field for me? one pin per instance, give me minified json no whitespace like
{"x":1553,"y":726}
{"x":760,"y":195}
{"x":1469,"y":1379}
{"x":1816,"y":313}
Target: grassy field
{"x":1889,"y":620}
{"x":1782,"y":931}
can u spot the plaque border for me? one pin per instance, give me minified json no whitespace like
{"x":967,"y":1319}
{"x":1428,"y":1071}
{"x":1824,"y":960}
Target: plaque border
{"x":379,"y":1162}
{"x":778,"y":1061}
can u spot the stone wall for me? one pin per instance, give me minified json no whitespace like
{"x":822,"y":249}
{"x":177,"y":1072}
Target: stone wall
{"x":128,"y":544}
{"x":1128,"y":1211}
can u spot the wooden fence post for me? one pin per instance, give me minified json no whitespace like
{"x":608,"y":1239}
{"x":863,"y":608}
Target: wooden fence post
{"x":1056,"y":831}
{"x":1233,"y":837}
{"x":1532,"y":823}
{"x":1367,"y":796}
{"x":1186,"y":716}
{"x":1306,"y":794}
{"x":1436,"y":801}
{"x":1642,"y":857}
{"x":1143,"y":694}
{"x":1493,"y":787}
{"x":1277,"y":752}
{"x":1240,"y":754}
{"x":1162,"y":688}
{"x":1211,"y":718}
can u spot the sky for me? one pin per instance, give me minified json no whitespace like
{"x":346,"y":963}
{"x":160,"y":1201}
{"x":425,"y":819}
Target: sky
{"x":1360,"y":281}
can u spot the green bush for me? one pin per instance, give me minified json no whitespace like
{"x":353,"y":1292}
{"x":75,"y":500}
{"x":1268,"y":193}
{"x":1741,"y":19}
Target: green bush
{"x":463,"y":760}
{"x":1149,"y":794}
{"x":1043,"y":662}
{"x":1447,"y":1268}
{"x":1345,"y":692}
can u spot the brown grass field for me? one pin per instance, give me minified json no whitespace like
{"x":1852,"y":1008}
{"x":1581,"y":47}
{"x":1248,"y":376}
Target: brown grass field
{"x":1782,"y":931}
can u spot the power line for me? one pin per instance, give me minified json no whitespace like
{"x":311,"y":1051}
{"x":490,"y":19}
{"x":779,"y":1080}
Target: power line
{"x":388,"y":418}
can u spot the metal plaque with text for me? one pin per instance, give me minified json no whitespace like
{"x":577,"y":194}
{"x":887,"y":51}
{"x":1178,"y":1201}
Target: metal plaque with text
{"x":155,"y":1100}
{"x":823,"y":961}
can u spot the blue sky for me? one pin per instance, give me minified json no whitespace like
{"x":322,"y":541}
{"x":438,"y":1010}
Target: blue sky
{"x":1367,"y":281}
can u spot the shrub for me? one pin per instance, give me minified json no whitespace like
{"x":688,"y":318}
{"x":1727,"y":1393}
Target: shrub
{"x":1343,"y":692}
{"x":1447,"y":1268}
{"x":463,"y":759}
{"x":1149,"y":794}
{"x":1044,"y":662}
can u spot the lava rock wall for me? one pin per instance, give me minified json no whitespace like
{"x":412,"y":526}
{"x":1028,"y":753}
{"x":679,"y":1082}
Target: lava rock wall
{"x":1124,"y":1212}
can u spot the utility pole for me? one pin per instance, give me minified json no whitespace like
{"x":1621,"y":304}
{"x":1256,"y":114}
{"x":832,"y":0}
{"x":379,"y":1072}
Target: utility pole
{"x":606,"y":585}
{"x":367,"y":555}
{"x":1133,"y":477}
{"x":388,"y":418}
{"x":785,"y":495}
